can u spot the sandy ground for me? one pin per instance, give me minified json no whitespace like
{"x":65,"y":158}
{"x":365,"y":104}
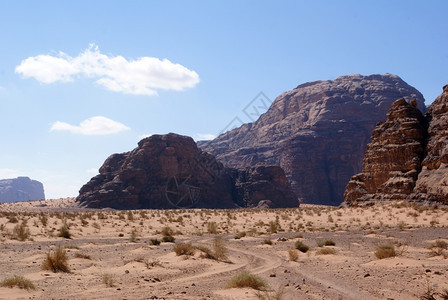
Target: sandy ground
{"x":111,"y":255}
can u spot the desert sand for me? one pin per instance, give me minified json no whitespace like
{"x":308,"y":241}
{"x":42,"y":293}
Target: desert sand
{"x":112,"y":254}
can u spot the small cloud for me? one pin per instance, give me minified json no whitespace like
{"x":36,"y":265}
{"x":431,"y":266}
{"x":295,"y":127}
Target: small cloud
{"x":1,"y":88}
{"x":93,"y":171}
{"x":9,"y":173}
{"x":204,"y":136}
{"x":98,"y":125}
{"x":138,"y":77}
{"x":141,"y":137}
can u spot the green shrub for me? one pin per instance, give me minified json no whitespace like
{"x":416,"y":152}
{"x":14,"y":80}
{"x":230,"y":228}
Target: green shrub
{"x":302,"y":247}
{"x":18,"y":281}
{"x":246,"y":279}
{"x":385,"y":251}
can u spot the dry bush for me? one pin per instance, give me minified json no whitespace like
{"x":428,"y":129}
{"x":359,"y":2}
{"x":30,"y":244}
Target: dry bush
{"x":21,"y":232}
{"x":326,"y":251}
{"x":167,"y":231}
{"x":64,"y":232}
{"x":326,"y":243}
{"x":385,"y":251}
{"x":302,"y":247}
{"x":82,"y":255}
{"x":438,"y":248}
{"x":219,"y":248}
{"x":266,"y":242}
{"x":57,"y":261}
{"x":246,"y":279}
{"x":108,"y":280}
{"x":184,"y":249}
{"x":212,"y":228}
{"x":18,"y":281}
{"x":293,"y":255}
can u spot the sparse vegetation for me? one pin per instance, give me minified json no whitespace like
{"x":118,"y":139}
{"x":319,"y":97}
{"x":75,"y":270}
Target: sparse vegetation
{"x":64,"y":232}
{"x":266,"y":242}
{"x":293,"y":255}
{"x":18,"y":281}
{"x":326,"y":251}
{"x":108,"y":280}
{"x":438,"y":248}
{"x":385,"y":251}
{"x":326,"y":243}
{"x":246,"y":279}
{"x":184,"y":249}
{"x":21,"y":232}
{"x":302,"y":247}
{"x":56,"y":261}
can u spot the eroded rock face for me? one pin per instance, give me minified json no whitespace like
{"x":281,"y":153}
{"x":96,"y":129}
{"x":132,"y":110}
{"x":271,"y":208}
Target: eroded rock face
{"x":407,"y":158}
{"x":432,"y":183}
{"x":21,"y":189}
{"x":169,"y":171}
{"x":393,"y":159}
{"x":317,"y":133}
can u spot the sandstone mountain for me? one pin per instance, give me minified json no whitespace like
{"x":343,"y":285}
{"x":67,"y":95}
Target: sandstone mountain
{"x":170,"y":171}
{"x":317,"y":133}
{"x":21,"y":189}
{"x":407,"y":158}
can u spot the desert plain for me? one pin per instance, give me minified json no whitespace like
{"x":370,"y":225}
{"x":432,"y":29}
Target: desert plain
{"x":197,"y":253}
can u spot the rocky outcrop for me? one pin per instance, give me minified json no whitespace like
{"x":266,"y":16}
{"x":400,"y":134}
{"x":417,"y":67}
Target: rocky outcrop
{"x":317,"y":133}
{"x":21,"y":189}
{"x":407,"y":158}
{"x":170,"y":171}
{"x":393,"y":159}
{"x":432,"y":183}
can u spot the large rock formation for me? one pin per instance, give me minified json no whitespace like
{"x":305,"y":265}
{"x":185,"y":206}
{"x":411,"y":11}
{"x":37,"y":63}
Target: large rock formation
{"x":169,"y":171}
{"x":317,"y":133}
{"x":21,"y":189}
{"x":407,"y":158}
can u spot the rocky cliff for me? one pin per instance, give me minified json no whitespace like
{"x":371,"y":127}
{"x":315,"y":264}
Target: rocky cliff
{"x":317,"y":133}
{"x":170,"y":171}
{"x":21,"y":189}
{"x":407,"y":158}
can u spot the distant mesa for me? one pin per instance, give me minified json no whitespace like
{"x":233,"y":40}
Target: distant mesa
{"x":21,"y":189}
{"x":170,"y":171}
{"x":407,"y":158}
{"x":317,"y":133}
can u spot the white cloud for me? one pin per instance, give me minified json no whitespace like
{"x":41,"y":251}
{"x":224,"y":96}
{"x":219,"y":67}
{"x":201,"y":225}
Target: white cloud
{"x":204,"y":136}
{"x":139,"y":77}
{"x":98,"y":125}
{"x":93,"y":171}
{"x":9,"y":173}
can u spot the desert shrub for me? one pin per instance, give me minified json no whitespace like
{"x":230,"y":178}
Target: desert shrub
{"x":12,"y":218}
{"x":18,"y":281}
{"x":326,"y":243}
{"x":133,"y":236}
{"x":212,"y":228}
{"x":21,"y":232}
{"x":266,"y":242}
{"x":246,"y":279}
{"x":108,"y":280}
{"x":293,"y":255}
{"x":43,"y":219}
{"x":121,"y":235}
{"x":240,"y":235}
{"x":168,"y":239}
{"x":438,"y":248}
{"x":184,"y":249}
{"x":167,"y":231}
{"x":154,"y":242}
{"x":71,"y":247}
{"x":385,"y":251}
{"x":302,"y":247}
{"x":64,"y":232}
{"x":57,"y":261}
{"x":326,"y":251}
{"x":219,"y":248}
{"x":82,"y":255}
{"x":273,"y":227}
{"x":206,"y":252}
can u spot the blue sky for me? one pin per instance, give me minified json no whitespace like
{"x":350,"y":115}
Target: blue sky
{"x":80,"y":80}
